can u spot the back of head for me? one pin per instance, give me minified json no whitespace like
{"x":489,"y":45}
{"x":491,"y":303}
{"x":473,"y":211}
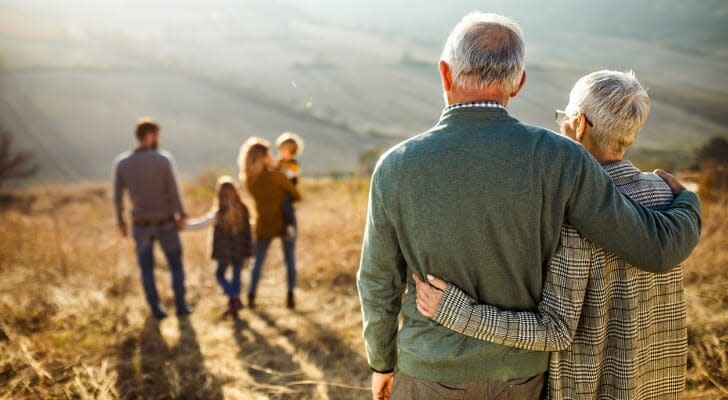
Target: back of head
{"x":486,"y":49}
{"x":615,"y":103}
{"x":252,"y":158}
{"x":229,"y":205}
{"x":291,"y":142}
{"x":225,"y":184}
{"x":145,"y":126}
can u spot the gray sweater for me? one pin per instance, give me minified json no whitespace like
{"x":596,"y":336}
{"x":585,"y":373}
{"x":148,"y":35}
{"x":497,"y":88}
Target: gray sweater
{"x":149,"y":177}
{"x":479,"y":200}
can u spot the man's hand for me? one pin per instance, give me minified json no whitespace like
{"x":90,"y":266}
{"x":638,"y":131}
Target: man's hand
{"x":671,"y":181}
{"x":123,"y":229}
{"x":181,"y":222}
{"x":382,"y":386}
{"x":429,"y":294}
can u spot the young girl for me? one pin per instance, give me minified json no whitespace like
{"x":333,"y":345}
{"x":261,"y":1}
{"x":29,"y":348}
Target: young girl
{"x":231,"y":239}
{"x":269,"y":188}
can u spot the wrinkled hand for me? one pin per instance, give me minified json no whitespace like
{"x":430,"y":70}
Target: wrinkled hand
{"x":429,"y":294}
{"x":671,"y":181}
{"x":123,"y":229}
{"x":382,"y":386}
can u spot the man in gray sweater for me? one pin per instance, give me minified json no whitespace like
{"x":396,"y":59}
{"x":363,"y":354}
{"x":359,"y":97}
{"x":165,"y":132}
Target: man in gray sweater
{"x":480,"y":200}
{"x":157,"y":212}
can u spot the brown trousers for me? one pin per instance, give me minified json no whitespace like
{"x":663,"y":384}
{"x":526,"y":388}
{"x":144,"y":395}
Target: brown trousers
{"x":407,"y":387}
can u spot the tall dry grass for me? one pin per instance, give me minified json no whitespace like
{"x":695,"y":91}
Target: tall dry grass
{"x":706,"y":282}
{"x":73,"y":323}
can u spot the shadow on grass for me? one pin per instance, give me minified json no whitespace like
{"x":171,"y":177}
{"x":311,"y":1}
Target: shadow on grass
{"x":269,"y":364}
{"x":149,"y":369}
{"x":325,"y":348}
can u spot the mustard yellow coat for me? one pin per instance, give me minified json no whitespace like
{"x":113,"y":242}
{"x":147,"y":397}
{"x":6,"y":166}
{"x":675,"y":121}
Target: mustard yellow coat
{"x":269,"y":190}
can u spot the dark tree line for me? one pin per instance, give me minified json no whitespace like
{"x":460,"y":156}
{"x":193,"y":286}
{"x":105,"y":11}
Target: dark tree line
{"x":715,"y":151}
{"x":14,"y":164}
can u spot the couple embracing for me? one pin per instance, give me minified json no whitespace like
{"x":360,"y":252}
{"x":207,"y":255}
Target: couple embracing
{"x":158,"y":215}
{"x":526,"y":264}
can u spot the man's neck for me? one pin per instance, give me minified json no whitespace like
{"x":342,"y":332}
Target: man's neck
{"x":474,"y":96}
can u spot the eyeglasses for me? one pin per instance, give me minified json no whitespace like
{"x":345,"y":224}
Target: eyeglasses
{"x":560,"y":115}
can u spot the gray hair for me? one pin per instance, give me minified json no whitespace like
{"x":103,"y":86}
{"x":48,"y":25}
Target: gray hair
{"x":615,"y":103}
{"x":485,"y":49}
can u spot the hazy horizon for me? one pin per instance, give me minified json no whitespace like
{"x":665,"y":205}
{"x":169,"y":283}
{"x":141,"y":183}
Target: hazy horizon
{"x":348,"y":76}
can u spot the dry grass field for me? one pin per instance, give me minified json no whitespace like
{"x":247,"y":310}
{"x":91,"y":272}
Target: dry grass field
{"x":73,"y":322}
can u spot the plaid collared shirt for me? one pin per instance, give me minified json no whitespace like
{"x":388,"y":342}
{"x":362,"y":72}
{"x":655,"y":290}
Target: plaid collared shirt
{"x":616,"y":332}
{"x":485,"y":104}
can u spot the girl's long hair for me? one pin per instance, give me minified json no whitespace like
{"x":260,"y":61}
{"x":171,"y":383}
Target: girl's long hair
{"x":251,"y":159}
{"x":231,"y":212}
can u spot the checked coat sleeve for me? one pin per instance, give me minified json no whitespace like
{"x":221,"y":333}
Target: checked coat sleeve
{"x":552,"y":326}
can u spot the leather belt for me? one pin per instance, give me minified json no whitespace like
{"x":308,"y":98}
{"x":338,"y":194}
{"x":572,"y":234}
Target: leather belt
{"x":149,"y":222}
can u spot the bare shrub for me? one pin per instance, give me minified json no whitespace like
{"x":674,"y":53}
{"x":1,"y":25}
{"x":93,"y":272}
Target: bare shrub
{"x":14,"y":164}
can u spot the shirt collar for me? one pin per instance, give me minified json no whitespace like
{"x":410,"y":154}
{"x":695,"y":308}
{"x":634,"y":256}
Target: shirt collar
{"x":621,"y":169}
{"x":475,"y":104}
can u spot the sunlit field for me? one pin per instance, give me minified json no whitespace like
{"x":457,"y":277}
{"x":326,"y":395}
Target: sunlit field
{"x":73,"y":322}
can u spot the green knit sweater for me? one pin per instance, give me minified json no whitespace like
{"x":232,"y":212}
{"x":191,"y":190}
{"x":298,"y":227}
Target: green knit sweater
{"x":479,"y":200}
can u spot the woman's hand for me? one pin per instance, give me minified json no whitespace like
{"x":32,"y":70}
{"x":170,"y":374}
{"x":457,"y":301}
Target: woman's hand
{"x":429,"y":294}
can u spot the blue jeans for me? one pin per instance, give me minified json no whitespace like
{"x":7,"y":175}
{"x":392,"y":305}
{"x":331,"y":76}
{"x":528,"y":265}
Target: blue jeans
{"x":168,"y":238}
{"x":230,"y":287}
{"x":289,"y":255}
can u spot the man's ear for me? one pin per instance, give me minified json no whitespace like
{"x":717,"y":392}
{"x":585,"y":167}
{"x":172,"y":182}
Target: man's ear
{"x":445,"y":76}
{"x":521,"y":84}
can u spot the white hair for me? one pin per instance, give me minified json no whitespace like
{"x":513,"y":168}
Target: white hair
{"x":485,"y":49}
{"x":615,"y":103}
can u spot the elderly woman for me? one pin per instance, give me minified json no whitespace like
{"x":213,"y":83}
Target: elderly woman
{"x":269,"y":188}
{"x":615,"y":331}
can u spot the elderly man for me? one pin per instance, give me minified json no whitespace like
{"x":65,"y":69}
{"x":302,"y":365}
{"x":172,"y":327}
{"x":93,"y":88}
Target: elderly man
{"x":157,"y":212}
{"x":619,"y":332}
{"x":480,"y":200}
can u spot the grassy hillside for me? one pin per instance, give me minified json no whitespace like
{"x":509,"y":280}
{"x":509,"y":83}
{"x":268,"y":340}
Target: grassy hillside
{"x":73,"y":322}
{"x":74,"y":78}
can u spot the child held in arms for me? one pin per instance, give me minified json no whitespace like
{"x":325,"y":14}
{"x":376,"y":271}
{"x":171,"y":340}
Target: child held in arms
{"x":289,"y":147}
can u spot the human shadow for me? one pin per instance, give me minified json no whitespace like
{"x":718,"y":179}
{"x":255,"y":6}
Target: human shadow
{"x":141,"y":364}
{"x":149,"y":369}
{"x":198,"y":382}
{"x":326,"y":349}
{"x":269,"y":364}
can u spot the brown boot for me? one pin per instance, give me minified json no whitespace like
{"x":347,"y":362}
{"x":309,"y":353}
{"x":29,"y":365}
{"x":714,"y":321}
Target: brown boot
{"x":290,"y":301}
{"x":231,"y":311}
{"x":251,"y":301}
{"x":237,"y":303}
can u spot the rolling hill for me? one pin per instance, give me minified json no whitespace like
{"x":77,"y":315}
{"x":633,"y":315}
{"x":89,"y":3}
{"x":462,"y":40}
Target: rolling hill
{"x":346,"y":76}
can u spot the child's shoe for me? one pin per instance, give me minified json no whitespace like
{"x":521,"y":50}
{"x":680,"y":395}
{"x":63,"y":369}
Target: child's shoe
{"x":232,"y":309}
{"x":237,"y":304}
